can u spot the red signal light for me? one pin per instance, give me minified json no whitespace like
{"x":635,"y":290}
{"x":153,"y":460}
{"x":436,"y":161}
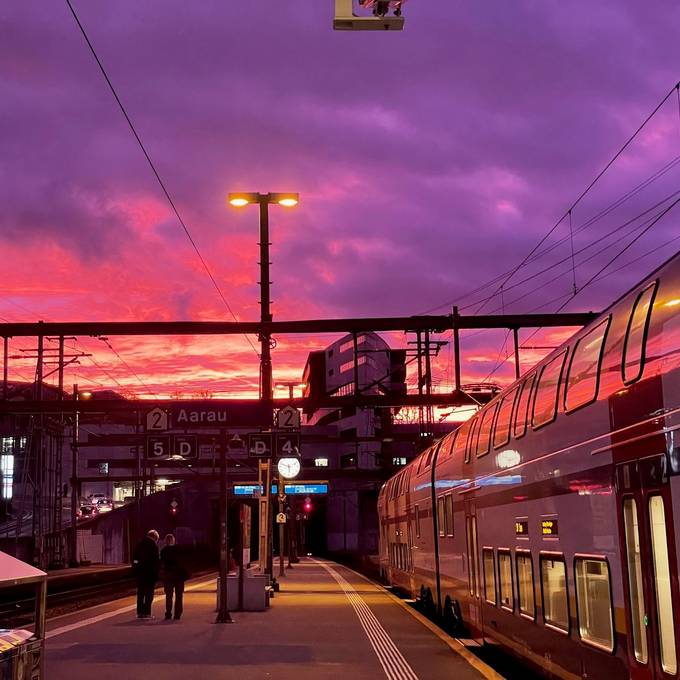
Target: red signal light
{"x":308,"y":506}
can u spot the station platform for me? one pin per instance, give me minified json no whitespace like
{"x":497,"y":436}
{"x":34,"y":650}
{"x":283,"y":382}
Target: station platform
{"x":327,"y":621}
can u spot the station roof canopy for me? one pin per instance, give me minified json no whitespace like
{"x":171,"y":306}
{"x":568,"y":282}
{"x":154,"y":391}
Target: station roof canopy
{"x":14,"y":572}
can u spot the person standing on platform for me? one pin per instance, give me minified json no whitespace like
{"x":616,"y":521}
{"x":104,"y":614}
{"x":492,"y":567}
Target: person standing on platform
{"x":145,"y":565}
{"x":174,"y":576}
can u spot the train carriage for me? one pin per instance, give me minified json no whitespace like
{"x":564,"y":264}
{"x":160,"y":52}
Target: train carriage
{"x":545,"y":524}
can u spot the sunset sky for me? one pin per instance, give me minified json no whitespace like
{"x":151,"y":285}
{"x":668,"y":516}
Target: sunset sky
{"x":428,"y":162}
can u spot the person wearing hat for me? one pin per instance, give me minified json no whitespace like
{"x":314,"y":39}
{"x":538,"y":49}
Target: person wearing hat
{"x":145,"y":566}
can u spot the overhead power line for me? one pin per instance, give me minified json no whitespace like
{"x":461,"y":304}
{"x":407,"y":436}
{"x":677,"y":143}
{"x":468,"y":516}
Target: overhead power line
{"x":600,"y":273}
{"x":585,"y":192}
{"x":536,"y":253}
{"x":156,"y":174}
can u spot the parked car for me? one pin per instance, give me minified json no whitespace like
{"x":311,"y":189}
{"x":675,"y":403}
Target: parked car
{"x":104,"y":505}
{"x":86,"y":512}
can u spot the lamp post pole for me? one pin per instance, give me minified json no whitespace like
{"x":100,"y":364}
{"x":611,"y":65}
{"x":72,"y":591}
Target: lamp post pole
{"x":74,"y":484}
{"x":223,"y":615}
{"x":265,"y":306}
{"x":266,"y":392}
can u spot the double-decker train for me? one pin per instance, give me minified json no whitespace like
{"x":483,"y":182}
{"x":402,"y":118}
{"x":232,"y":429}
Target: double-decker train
{"x":547,"y":524}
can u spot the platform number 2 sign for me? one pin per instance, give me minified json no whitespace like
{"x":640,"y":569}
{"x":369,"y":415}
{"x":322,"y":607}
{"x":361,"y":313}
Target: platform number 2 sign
{"x":288,"y":418}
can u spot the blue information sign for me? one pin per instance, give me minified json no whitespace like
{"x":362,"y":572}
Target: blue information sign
{"x":291,"y":489}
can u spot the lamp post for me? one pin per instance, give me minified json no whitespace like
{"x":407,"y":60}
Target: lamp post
{"x":75,"y":491}
{"x":263,"y":200}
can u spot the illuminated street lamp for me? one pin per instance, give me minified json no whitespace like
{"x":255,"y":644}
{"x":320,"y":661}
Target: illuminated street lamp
{"x":241,"y":199}
{"x":287,"y":200}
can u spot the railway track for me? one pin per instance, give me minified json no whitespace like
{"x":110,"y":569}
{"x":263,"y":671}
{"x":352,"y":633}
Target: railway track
{"x":18,"y":611}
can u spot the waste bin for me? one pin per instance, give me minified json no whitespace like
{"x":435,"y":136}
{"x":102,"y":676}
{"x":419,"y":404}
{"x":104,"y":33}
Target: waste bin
{"x":20,"y":655}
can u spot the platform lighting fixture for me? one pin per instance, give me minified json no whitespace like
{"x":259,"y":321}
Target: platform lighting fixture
{"x":240,"y":200}
{"x":85,"y":394}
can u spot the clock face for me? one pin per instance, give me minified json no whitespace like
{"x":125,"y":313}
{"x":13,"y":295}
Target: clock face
{"x":288,"y":467}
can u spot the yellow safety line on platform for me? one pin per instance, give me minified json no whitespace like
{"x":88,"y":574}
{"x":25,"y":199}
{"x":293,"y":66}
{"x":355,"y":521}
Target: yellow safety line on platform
{"x":454,"y":644}
{"x":108,"y":615}
{"x":393,"y":663}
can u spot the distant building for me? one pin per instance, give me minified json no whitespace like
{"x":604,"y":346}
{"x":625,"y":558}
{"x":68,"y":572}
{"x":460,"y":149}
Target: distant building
{"x":333,"y":372}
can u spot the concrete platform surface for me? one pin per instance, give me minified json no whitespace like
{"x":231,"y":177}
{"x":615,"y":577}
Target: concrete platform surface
{"x":326,"y":622}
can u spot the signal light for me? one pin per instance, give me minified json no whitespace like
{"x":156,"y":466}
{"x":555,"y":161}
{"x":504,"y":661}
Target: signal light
{"x":308,"y":506}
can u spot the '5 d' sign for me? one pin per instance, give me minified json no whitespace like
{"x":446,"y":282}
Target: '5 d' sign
{"x":167,"y":447}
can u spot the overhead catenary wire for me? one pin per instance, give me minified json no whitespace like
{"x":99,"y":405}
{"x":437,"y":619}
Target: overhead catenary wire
{"x":600,"y":273}
{"x":618,"y":202}
{"x":586,"y":191}
{"x":154,"y":170}
{"x":581,"y":250}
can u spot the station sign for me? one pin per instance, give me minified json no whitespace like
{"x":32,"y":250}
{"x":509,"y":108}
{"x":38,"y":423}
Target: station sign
{"x":185,"y":446}
{"x":200,"y":417}
{"x":288,"y":444}
{"x":165,"y":447}
{"x":158,"y":447}
{"x":304,"y":489}
{"x":260,"y":445}
{"x":289,"y":489}
{"x":157,"y":420}
{"x":288,"y":417}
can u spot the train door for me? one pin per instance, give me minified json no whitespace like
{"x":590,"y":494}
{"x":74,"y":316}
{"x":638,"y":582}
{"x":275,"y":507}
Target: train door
{"x":474,"y":622}
{"x":649,"y":566}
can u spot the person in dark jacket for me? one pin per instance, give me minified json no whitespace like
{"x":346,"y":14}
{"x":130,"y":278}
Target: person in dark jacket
{"x":145,"y":565}
{"x":174,"y":576}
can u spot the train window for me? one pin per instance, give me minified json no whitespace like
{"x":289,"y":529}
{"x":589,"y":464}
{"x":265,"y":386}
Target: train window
{"x":545,"y":403}
{"x":471,"y":438}
{"x":489,"y":575}
{"x":472,"y":554}
{"x":440,"y":516}
{"x":554,"y":588}
{"x":636,"y":335}
{"x":594,"y":603}
{"x":501,"y":435}
{"x":417,"y":512}
{"x":635,"y":588}
{"x":448,"y":512}
{"x":461,"y":439}
{"x":583,"y":378}
{"x":522,"y":410}
{"x":662,"y":585}
{"x":452,"y":446}
{"x":505,"y":580}
{"x":484,"y":439}
{"x":430,"y":454}
{"x":525,"y":585}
